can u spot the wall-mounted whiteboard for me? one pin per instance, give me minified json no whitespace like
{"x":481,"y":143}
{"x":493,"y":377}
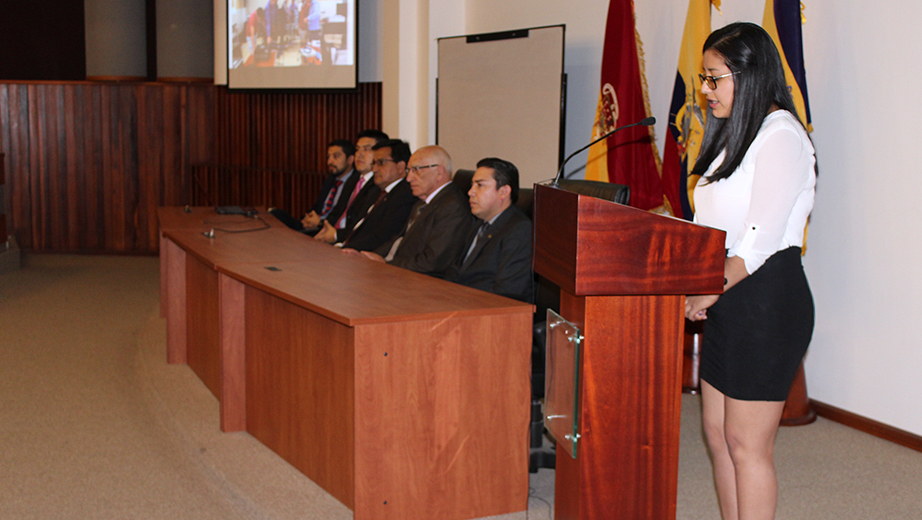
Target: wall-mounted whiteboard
{"x":502,"y":95}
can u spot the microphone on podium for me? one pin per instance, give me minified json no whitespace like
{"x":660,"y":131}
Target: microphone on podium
{"x":648,"y":121}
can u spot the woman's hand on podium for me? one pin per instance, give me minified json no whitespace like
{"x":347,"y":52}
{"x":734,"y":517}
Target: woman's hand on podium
{"x":696,"y":306}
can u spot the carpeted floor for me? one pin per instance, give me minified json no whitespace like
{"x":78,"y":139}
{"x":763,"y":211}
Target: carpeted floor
{"x":95,"y":424}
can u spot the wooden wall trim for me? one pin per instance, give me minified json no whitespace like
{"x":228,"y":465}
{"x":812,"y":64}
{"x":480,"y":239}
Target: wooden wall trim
{"x":875,"y":428}
{"x":185,"y":80}
{"x":123,"y":79}
{"x":90,"y":80}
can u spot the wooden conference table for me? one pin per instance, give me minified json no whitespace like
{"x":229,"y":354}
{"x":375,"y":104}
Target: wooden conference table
{"x":403,"y":396}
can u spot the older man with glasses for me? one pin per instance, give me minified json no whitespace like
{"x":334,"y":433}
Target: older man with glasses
{"x":435,"y":233}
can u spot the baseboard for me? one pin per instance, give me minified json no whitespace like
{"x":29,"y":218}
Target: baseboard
{"x":877,"y":429}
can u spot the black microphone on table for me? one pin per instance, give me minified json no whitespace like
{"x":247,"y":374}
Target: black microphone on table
{"x":648,"y":121}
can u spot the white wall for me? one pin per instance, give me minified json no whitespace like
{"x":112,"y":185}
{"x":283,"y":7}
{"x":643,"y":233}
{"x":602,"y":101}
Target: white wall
{"x":863,"y":81}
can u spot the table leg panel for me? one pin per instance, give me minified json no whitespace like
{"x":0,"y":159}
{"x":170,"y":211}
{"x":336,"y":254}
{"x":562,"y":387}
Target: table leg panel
{"x":299,"y":389}
{"x":442,"y":413}
{"x":203,"y":324}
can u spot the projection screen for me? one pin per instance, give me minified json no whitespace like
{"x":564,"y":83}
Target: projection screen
{"x":291,"y":44}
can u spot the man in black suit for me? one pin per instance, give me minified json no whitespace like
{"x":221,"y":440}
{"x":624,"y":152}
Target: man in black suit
{"x":433,"y":237}
{"x":497,"y":254}
{"x":334,"y":194}
{"x":331,"y":203}
{"x":390,"y":211}
{"x":363,"y":195}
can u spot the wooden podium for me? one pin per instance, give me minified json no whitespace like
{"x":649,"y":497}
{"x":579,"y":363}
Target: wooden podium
{"x":623,"y":275}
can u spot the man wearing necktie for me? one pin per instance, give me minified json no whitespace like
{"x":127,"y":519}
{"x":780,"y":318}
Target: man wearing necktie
{"x":363,"y":196}
{"x":434,"y":235}
{"x":334,"y":194}
{"x":497,"y":253}
{"x":391,"y":209}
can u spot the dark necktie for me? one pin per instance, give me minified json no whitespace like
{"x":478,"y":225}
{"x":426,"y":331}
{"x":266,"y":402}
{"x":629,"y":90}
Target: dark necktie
{"x":417,"y":209}
{"x":329,"y":204}
{"x":381,"y":197}
{"x":480,"y":234}
{"x":413,"y":216}
{"x":378,"y":200}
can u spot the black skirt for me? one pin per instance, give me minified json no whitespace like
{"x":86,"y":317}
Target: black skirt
{"x":757,"y":333}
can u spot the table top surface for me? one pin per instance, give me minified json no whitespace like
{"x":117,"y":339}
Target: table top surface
{"x":351,"y":289}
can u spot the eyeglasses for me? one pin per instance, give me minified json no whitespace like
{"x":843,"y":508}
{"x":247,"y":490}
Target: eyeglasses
{"x":381,"y":162}
{"x":711,"y":81}
{"x":416,"y":169}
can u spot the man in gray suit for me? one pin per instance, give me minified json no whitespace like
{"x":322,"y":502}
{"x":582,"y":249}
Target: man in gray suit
{"x":434,"y":235}
{"x":497,"y":253}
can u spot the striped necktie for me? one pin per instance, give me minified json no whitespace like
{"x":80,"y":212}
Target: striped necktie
{"x":329,"y":204}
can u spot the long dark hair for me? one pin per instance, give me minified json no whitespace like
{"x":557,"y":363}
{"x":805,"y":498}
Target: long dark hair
{"x":758,"y":84}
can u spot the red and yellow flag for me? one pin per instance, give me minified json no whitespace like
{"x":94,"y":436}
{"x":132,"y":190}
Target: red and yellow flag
{"x":628,"y":157}
{"x":687,"y":112}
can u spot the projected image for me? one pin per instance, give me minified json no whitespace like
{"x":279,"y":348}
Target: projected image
{"x":292,"y":35}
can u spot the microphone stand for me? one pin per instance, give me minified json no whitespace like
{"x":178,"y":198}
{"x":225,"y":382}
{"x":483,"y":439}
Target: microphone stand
{"x":643,"y":122}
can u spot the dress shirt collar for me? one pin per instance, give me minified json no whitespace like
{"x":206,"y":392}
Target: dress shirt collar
{"x":436,"y":192}
{"x":492,"y":220}
{"x":391,"y":185}
{"x":344,"y":177}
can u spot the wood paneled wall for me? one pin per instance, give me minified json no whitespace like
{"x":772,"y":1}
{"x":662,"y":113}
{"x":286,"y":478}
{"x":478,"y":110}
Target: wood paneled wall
{"x":270,"y":147}
{"x":293,"y":191}
{"x":290,"y":130}
{"x":88,"y":163}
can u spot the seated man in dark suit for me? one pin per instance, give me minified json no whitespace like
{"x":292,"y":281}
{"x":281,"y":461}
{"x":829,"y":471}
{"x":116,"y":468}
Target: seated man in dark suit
{"x":390,"y":211}
{"x":363,"y":195}
{"x":433,"y":237}
{"x":497,"y":253}
{"x":331,"y":203}
{"x":336,"y":190}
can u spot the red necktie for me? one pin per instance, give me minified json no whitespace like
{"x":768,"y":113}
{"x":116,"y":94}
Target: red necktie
{"x":358,"y":187}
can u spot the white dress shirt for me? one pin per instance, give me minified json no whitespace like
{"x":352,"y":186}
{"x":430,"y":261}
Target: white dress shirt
{"x":763,"y":206}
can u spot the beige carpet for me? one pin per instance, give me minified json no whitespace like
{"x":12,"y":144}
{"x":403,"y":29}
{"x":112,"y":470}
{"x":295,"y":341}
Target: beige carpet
{"x":95,"y":424}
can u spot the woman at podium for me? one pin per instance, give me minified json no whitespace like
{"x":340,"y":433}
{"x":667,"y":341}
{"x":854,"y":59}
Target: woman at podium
{"x":757,"y":170}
